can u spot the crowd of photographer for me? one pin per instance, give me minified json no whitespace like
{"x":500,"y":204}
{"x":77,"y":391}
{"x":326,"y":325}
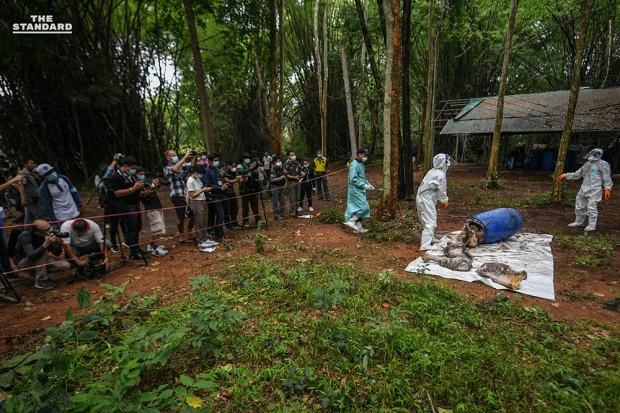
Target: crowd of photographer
{"x":49,"y":234}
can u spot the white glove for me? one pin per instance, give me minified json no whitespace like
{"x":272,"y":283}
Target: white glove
{"x":369,"y":187}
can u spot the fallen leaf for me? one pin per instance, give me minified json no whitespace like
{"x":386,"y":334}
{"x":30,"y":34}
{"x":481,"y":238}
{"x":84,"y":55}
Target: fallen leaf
{"x":555,"y":304}
{"x":155,"y":264}
{"x":530,"y":309}
{"x":319,"y":235}
{"x":46,"y":318}
{"x":298,"y":233}
{"x":385,"y":305}
{"x":193,"y":401}
{"x":137,"y":277}
{"x":598,"y":294}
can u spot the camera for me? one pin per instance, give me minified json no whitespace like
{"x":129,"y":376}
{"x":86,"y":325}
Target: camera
{"x":56,"y":232}
{"x":120,"y":155}
{"x":94,"y":266}
{"x":193,"y":153}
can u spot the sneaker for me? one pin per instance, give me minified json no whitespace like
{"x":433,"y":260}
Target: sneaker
{"x":207,"y":249}
{"x":225,"y":239}
{"x":157,"y":250}
{"x":208,"y":243}
{"x":137,"y":257}
{"x":152,"y":249}
{"x":115,"y":250}
{"x":300,"y":209}
{"x":15,"y":277}
{"x":313,"y":189}
{"x":327,"y":198}
{"x":124,"y":245}
{"x":279,"y":218}
{"x":45,"y":284}
{"x":311,"y":209}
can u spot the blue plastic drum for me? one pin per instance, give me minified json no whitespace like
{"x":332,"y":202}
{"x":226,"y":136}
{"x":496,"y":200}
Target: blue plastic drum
{"x":498,"y":224}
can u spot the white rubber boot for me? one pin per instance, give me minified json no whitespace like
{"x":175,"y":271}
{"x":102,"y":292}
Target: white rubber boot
{"x":591,"y":224}
{"x":579,"y":221}
{"x":351,"y":223}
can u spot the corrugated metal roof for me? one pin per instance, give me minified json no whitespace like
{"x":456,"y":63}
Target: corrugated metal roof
{"x":597,"y":110}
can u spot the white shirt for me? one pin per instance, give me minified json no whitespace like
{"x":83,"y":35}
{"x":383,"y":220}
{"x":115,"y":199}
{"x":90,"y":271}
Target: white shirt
{"x":92,"y":234}
{"x":195,"y":185}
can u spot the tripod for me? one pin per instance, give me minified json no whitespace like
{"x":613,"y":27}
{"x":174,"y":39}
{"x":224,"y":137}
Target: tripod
{"x":8,"y":292}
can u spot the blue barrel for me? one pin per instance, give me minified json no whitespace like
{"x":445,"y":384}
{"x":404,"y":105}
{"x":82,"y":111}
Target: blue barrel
{"x":498,"y":224}
{"x":548,"y":160}
{"x":535,"y":159}
{"x":510,"y":162}
{"x":569,"y":161}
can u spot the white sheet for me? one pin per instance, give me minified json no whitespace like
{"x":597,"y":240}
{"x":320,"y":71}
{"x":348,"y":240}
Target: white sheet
{"x":524,"y":251}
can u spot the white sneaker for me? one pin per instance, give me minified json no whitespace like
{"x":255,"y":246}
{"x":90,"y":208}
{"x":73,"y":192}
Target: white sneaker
{"x":311,"y":209}
{"x":300,"y":209}
{"x":208,"y":243}
{"x":208,"y":249}
{"x":160,"y":250}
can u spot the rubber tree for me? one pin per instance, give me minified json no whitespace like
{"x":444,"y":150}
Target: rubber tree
{"x":497,"y":132}
{"x":391,"y":110}
{"x":584,"y":20}
{"x":200,"y":78}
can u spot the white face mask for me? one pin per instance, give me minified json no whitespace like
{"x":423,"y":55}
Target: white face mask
{"x":233,"y":169}
{"x":364,"y":159}
{"x":278,"y":164}
{"x":293,"y":157}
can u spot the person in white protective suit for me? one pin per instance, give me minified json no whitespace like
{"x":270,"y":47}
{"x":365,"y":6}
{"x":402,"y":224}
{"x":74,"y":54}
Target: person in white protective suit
{"x":431,"y":190}
{"x":357,"y":204}
{"x":596,"y":174}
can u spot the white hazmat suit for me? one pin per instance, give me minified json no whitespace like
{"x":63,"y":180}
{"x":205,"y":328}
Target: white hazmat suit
{"x":431,"y":190}
{"x":596,"y":174}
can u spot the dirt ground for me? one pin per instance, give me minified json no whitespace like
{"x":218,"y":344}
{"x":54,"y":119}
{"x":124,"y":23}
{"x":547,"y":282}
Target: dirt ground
{"x":580,"y":291}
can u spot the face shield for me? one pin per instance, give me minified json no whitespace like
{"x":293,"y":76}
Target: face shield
{"x":594,"y":155}
{"x":450,"y":161}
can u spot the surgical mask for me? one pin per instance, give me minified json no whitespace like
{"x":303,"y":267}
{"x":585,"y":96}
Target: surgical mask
{"x":365,"y":158}
{"x":233,"y":169}
{"x":132,"y":172}
{"x":278,"y":164}
{"x":52,"y":176}
{"x":320,"y":156}
{"x":203,"y":158}
{"x":198,"y":176}
{"x":247,"y":160}
{"x":141,"y":177}
{"x":306,"y":165}
{"x":216,"y":163}
{"x":293,"y":158}
{"x":175,"y":159}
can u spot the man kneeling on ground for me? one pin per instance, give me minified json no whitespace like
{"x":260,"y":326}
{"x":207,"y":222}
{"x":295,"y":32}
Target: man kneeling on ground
{"x":85,"y":238}
{"x":39,"y":247}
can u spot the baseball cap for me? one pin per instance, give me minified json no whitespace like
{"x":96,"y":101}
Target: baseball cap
{"x":44,"y":169}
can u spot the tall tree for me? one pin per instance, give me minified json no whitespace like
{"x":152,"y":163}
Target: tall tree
{"x":429,"y":127}
{"x":200,"y":78}
{"x":362,"y":84}
{"x":275,"y":142}
{"x":497,"y":132}
{"x":347,"y":90}
{"x":584,"y":21}
{"x":406,"y":166}
{"x":391,"y":113}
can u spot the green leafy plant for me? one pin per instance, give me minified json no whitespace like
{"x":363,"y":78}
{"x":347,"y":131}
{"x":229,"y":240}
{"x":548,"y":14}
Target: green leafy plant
{"x":330,"y":216}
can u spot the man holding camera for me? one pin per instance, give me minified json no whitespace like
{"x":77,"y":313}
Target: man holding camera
{"x":127,"y":193}
{"x":84,"y":238}
{"x":176,"y":173}
{"x":40,"y":246}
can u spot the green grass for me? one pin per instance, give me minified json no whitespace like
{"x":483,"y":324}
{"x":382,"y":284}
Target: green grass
{"x":282,"y":336}
{"x":589,"y":251}
{"x":500,"y":201}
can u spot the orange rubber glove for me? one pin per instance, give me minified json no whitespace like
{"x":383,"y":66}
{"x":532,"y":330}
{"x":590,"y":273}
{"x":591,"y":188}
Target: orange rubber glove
{"x":444,"y":205}
{"x":561,"y":177}
{"x":607,"y":194}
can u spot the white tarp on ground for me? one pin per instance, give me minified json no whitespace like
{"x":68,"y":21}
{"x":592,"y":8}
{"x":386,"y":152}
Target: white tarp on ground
{"x":524,"y":251}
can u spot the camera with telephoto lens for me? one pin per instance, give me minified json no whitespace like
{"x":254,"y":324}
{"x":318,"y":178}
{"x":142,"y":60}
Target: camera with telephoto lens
{"x":94,"y":266}
{"x":56,"y":232}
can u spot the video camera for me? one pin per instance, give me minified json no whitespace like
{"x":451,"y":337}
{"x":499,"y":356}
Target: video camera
{"x":56,"y":232}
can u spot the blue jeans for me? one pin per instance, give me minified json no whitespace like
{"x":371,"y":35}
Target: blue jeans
{"x":133,"y":225}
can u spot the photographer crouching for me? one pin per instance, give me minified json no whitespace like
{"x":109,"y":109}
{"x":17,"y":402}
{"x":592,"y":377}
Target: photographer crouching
{"x":85,"y":239}
{"x":40,"y":246}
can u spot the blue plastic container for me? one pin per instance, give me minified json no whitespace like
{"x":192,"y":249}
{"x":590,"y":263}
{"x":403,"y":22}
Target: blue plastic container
{"x":549,"y":159}
{"x":535,"y":159}
{"x":498,"y":224}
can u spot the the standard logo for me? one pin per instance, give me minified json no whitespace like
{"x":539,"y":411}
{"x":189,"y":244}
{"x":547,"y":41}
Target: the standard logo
{"x":42,"y":25}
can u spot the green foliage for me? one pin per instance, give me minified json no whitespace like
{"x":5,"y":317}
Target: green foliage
{"x":499,"y":201}
{"x":493,"y":183}
{"x":398,"y":229}
{"x":330,"y":216}
{"x":589,"y":251}
{"x":238,"y":341}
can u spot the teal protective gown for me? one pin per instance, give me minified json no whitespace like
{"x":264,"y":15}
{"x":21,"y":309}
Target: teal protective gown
{"x":357,"y":204}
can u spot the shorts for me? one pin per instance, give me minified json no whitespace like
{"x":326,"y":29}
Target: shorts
{"x":178,"y":202}
{"x":157,"y":222}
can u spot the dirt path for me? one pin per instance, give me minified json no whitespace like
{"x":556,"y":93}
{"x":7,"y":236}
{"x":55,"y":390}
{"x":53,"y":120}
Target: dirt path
{"x":580,"y":290}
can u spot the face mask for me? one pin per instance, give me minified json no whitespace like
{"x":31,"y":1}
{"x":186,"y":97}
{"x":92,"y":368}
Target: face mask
{"x":233,"y":169}
{"x":293,"y":158}
{"x":306,"y":165}
{"x":320,"y":156}
{"x":132,"y":172}
{"x":203,"y":157}
{"x":175,"y":159}
{"x":141,"y":177}
{"x":216,"y":163}
{"x":247,"y":160}
{"x":278,"y":164}
{"x":52,"y":176}
{"x":364,"y":159}
{"x":198,"y":176}
{"x":592,"y":158}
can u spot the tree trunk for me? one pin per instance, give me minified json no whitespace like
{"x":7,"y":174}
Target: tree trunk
{"x":319,"y":75}
{"x":360,"y":123}
{"x":497,"y":132}
{"x":391,"y":113}
{"x":347,"y":91}
{"x":429,"y":127}
{"x":325,"y":75}
{"x":275,"y":143}
{"x":407,"y":166}
{"x":371,"y":53}
{"x":281,"y":62}
{"x":586,"y":7}
{"x":200,"y":78}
